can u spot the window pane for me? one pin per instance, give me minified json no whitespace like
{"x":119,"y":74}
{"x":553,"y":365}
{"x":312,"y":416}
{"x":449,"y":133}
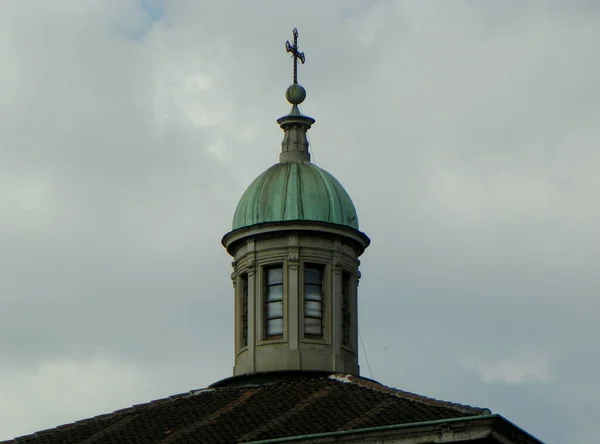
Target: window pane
{"x":274,"y":310}
{"x":275,"y":276}
{"x":312,"y":326}
{"x":313,"y":275}
{"x":275,"y":293}
{"x":312,"y":309}
{"x":312,"y":292}
{"x":275,"y":327}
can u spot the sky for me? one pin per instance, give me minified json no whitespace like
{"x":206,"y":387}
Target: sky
{"x":466,"y":132}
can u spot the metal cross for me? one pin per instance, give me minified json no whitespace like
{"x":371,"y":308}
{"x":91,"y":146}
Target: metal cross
{"x":296,"y":55}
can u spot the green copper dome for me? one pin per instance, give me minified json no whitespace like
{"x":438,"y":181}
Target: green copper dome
{"x":295,"y":191}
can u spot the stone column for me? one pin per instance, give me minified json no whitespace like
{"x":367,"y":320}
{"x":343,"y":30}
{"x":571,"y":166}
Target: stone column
{"x":354,"y":313}
{"x":336,"y":317}
{"x":236,"y":310}
{"x":293,"y":301}
{"x":252,"y":307}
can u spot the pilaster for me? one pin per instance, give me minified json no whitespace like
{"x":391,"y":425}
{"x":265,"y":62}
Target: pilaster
{"x":293,"y":305}
{"x":252,"y":302}
{"x":336,"y":306}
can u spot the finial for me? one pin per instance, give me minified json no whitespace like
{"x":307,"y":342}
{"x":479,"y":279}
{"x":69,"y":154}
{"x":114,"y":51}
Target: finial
{"x":295,"y":94}
{"x":294,"y":147}
{"x":296,"y":54}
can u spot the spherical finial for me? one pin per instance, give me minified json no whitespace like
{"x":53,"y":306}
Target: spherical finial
{"x":295,"y":94}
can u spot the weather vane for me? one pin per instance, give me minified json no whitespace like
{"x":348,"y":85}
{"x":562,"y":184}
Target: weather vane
{"x":296,"y":55}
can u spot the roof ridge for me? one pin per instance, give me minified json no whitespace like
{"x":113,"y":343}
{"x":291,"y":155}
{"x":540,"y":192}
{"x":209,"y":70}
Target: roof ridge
{"x":376,"y":386}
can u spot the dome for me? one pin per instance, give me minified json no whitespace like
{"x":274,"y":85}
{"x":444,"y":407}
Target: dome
{"x":292,"y":191}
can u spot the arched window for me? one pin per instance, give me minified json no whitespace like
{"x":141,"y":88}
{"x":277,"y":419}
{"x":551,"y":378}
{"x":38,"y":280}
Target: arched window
{"x":313,"y":300}
{"x":274,"y":302}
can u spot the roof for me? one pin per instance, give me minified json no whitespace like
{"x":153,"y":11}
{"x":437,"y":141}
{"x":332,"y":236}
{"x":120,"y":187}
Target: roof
{"x":291,"y":191}
{"x":222,"y":414}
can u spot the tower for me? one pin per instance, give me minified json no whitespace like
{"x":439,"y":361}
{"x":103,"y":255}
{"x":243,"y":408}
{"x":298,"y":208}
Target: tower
{"x":296,"y":244}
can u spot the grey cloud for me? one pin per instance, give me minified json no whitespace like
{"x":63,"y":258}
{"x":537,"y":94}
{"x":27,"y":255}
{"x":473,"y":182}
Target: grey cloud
{"x":465,"y":134}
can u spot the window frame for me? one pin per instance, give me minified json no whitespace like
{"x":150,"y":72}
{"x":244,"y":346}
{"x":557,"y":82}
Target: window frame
{"x":267,"y":302}
{"x":346,"y":308}
{"x":244,"y":321}
{"x":321,"y":301}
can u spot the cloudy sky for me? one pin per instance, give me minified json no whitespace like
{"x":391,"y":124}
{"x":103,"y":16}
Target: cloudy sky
{"x":467,"y":133}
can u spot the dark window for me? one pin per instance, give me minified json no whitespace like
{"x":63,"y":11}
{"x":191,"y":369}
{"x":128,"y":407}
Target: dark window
{"x":313,"y":300}
{"x":274,"y":302}
{"x":346,"y":316}
{"x":244,"y":283}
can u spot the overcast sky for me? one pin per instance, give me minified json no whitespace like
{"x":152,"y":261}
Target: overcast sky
{"x":466,"y":132}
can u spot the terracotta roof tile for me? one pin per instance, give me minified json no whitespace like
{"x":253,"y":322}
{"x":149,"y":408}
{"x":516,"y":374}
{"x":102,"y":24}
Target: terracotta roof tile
{"x":239,"y":414}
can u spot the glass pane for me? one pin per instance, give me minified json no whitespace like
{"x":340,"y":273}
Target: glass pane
{"x":313,"y":275}
{"x":312,"y":292}
{"x":312,"y":326}
{"x":274,"y":310}
{"x":275,"y":276}
{"x":275,"y":293}
{"x":275,"y":327}
{"x":312,"y":309}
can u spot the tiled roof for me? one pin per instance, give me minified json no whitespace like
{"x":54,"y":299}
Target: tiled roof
{"x":250,"y":413}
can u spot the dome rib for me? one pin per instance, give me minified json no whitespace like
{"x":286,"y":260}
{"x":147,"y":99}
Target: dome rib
{"x":333,"y":197}
{"x":286,"y":194}
{"x":300,"y":212}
